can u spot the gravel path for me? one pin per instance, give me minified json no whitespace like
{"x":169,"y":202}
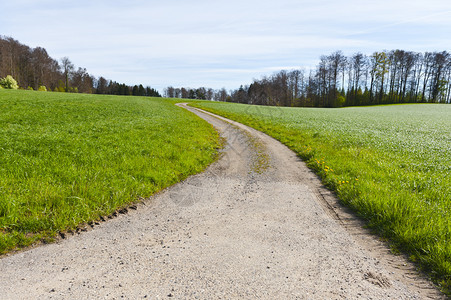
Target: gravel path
{"x":256,"y":225}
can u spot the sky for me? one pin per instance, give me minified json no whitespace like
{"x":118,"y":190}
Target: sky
{"x":219,"y":44}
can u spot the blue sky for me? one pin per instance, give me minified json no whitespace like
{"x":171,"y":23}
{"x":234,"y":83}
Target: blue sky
{"x":219,"y":43}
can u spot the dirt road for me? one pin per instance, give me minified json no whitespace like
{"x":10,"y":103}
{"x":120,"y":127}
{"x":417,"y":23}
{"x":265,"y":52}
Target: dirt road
{"x":256,"y":225}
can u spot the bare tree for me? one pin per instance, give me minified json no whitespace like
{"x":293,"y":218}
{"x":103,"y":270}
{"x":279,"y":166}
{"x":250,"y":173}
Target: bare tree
{"x":169,"y":92}
{"x":67,"y":68}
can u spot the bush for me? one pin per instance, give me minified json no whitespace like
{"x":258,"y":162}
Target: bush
{"x":42,"y":88}
{"x":9,"y":83}
{"x":341,"y":101}
{"x":30,"y":88}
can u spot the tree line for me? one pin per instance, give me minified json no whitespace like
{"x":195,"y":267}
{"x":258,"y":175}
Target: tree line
{"x":385,"y":77}
{"x":201,"y":93}
{"x":33,"y":68}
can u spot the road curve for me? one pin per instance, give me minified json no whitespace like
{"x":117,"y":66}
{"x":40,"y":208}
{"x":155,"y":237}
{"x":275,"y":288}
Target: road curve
{"x":257,"y":224}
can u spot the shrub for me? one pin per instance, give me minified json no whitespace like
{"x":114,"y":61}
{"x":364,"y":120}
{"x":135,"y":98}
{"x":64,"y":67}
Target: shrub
{"x":42,"y":88}
{"x":30,"y":88}
{"x":341,"y":101}
{"x":9,"y":83}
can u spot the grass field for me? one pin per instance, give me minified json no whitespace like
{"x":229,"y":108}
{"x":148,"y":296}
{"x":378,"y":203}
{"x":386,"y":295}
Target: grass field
{"x":67,"y":159}
{"x":391,"y":164}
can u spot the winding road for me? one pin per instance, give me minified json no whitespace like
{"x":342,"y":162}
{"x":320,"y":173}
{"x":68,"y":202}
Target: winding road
{"x":257,"y":224}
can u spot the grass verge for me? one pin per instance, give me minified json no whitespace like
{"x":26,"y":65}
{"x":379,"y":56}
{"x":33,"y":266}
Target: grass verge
{"x":391,"y":164}
{"x":68,"y":159}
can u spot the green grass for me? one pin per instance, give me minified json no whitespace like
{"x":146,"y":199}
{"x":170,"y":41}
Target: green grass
{"x":67,"y":159}
{"x":391,"y":164}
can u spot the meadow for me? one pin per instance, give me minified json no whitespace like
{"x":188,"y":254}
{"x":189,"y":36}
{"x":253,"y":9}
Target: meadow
{"x":70,"y":159}
{"x":390,"y":164}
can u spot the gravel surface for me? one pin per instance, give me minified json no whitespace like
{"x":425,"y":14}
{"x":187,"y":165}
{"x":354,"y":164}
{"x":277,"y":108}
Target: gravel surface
{"x":256,"y":225}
